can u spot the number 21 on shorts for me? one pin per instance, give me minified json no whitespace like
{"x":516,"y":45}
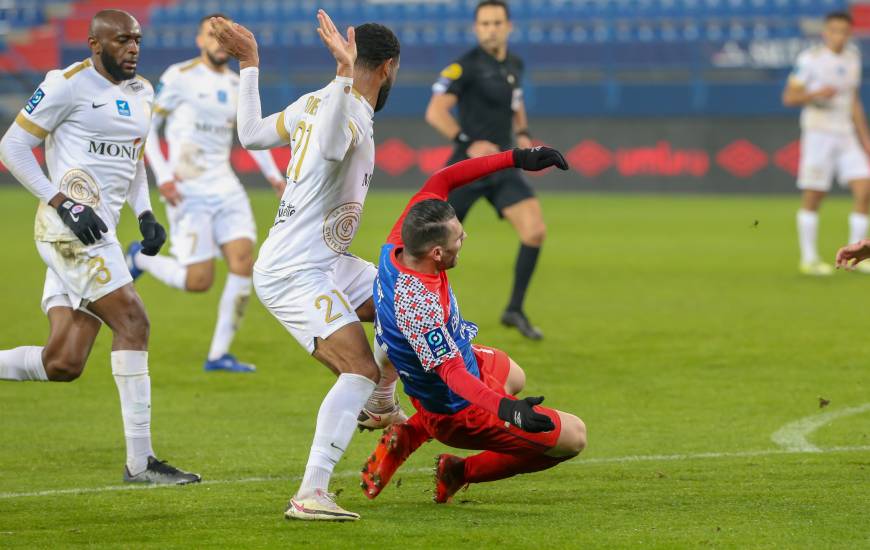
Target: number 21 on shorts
{"x":324,"y":301}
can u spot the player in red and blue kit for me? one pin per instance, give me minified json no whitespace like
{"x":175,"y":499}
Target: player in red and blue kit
{"x":463,"y":393}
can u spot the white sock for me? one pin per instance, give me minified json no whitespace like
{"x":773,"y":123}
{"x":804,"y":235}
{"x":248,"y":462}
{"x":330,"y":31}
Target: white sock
{"x":130,"y":369}
{"x":165,"y":269}
{"x":336,"y":422}
{"x":234,"y":301}
{"x":857,"y":227}
{"x":808,"y":230}
{"x":24,"y":363}
{"x":383,"y":398}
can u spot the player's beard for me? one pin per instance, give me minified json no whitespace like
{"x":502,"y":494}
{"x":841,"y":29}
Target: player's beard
{"x":114,"y":68}
{"x":215,"y":61}
{"x":383,"y":94}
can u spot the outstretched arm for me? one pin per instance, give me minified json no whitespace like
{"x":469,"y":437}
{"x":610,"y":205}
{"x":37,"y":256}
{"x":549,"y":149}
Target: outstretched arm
{"x":462,"y":173}
{"x":266,"y":162}
{"x":255,"y":132}
{"x":336,"y":131}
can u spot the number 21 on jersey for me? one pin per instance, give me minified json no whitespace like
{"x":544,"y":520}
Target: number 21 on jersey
{"x":301,"y":137}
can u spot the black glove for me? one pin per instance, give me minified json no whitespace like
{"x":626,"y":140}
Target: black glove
{"x":83,"y":221}
{"x":520,"y":413}
{"x":538,"y":158}
{"x":153,"y":234}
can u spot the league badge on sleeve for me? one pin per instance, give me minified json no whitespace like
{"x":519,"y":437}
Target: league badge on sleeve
{"x":437,"y":342}
{"x":123,"y":107}
{"x":34,"y":100}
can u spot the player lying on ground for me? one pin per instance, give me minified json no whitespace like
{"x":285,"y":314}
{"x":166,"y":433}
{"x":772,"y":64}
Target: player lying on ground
{"x":304,"y":275}
{"x":93,"y":116}
{"x":463,"y":393}
{"x":209,"y":213}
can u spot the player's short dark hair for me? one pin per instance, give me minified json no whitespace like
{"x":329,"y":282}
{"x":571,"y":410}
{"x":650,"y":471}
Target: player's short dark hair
{"x":494,"y":3}
{"x":375,"y":44}
{"x":425,"y":226}
{"x":839,"y":16}
{"x":209,"y":16}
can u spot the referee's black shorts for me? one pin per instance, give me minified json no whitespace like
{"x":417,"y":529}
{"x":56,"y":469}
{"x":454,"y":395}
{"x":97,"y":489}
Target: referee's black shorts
{"x":502,"y":189}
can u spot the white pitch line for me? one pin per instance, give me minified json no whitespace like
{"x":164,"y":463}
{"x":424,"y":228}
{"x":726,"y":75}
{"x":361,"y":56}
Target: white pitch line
{"x":793,"y":436}
{"x":354,"y":473}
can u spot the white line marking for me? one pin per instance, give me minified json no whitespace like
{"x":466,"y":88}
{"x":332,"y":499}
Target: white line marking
{"x":793,"y":436}
{"x":354,"y":473}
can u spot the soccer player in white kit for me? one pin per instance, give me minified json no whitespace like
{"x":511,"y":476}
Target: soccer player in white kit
{"x":209,"y":212}
{"x":304,"y":274}
{"x":834,"y":136}
{"x":94,"y":116}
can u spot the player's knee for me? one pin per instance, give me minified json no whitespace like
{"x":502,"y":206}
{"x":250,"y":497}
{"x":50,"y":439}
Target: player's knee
{"x":198,"y":281}
{"x":535,"y":234}
{"x":572,"y":437}
{"x":64,"y":368}
{"x":241,"y":264}
{"x":133,"y":328}
{"x":516,"y":380}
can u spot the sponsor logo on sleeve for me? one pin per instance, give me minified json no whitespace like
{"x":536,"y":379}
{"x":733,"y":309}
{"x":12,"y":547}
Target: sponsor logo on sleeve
{"x":34,"y":100}
{"x":123,"y":107}
{"x":437,"y":342}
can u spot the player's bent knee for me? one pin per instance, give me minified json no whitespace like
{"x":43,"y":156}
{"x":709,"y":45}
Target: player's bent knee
{"x":63,"y":369}
{"x":198,"y":282}
{"x":572,"y":437}
{"x":535,"y":235}
{"x":516,"y":380}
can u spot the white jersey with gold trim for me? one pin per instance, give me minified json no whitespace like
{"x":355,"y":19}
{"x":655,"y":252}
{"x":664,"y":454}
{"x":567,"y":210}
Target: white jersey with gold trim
{"x":327,"y":180}
{"x":94,"y":133}
{"x":819,"y":67}
{"x":199,"y":105}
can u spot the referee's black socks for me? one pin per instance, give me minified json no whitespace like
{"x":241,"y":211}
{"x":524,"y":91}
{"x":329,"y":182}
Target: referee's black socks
{"x":527,"y":259}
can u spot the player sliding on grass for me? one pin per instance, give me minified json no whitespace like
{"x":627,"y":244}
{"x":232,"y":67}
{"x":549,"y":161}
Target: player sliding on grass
{"x":463,"y":393}
{"x":304,"y":275}
{"x":93,"y":116}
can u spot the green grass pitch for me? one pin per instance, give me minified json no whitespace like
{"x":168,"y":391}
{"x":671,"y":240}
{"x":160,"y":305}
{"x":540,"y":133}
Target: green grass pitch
{"x":676,"y":327}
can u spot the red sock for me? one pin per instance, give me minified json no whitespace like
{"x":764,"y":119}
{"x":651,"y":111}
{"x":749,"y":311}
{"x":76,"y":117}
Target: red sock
{"x":491,"y":466}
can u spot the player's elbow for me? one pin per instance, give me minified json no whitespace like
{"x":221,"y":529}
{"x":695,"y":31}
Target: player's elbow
{"x":434,"y":115}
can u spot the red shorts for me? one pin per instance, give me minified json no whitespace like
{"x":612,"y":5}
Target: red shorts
{"x":475,"y":428}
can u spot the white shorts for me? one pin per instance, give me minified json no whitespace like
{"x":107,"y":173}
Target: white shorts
{"x":314,"y":304}
{"x":199,"y":226}
{"x":78,"y":274}
{"x":825,"y":154}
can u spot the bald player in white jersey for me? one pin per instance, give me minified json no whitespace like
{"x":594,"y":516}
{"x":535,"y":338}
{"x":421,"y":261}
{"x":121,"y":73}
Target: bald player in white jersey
{"x":304,"y":274}
{"x":94,"y":117}
{"x":835,"y":140}
{"x":209,"y":212}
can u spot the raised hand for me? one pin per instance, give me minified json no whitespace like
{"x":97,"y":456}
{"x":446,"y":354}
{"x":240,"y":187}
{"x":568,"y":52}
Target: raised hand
{"x":342,"y":49}
{"x":238,"y":41}
{"x":849,"y":256}
{"x":538,"y":158}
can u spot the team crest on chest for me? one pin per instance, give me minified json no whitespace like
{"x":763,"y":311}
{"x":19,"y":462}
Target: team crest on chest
{"x":123,"y":107}
{"x":222,"y":96}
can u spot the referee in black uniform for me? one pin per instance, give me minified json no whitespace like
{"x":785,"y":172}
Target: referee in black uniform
{"x":485,"y":85}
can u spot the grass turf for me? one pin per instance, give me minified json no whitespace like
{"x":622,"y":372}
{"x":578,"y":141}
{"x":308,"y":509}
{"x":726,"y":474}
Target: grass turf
{"x":674,"y":326}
